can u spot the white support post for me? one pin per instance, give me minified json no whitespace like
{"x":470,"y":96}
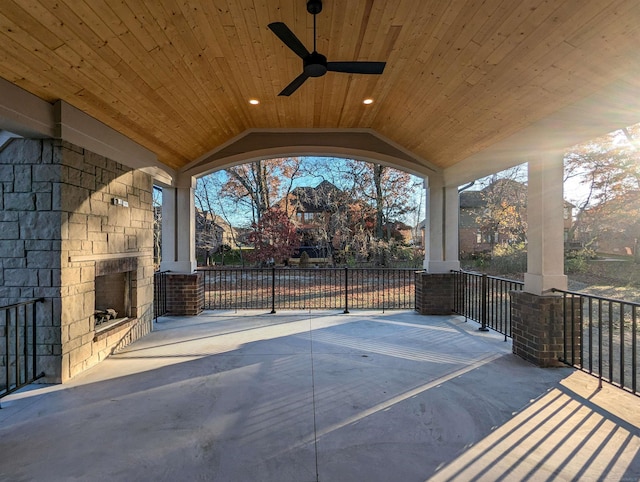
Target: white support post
{"x":545,"y":219}
{"x":441,"y":237}
{"x":178,"y":227}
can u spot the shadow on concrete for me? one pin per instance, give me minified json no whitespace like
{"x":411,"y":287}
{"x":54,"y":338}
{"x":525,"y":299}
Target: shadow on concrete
{"x":307,"y":397}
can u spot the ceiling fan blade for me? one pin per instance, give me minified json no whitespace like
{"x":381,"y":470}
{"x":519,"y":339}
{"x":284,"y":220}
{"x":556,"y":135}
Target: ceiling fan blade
{"x":357,"y":67}
{"x":293,"y":86}
{"x":289,"y":39}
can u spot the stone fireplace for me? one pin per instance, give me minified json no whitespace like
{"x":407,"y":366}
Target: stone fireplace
{"x":76,"y":229}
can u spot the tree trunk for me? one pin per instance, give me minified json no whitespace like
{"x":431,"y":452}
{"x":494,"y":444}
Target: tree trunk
{"x":378,"y":170}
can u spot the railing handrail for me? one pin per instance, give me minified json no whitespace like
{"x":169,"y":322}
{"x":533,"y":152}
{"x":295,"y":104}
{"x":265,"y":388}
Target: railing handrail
{"x":293,"y":268}
{"x":479,"y":274}
{"x":22,"y":303}
{"x":596,"y":297}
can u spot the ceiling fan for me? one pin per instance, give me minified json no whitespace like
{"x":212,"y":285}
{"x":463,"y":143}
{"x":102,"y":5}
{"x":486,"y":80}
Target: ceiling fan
{"x":313,"y":63}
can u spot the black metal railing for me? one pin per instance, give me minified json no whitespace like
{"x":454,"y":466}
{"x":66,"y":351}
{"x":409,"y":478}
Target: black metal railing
{"x":309,"y":288}
{"x":484,"y":299}
{"x":19,"y":339}
{"x":159,"y":294}
{"x":601,"y":337}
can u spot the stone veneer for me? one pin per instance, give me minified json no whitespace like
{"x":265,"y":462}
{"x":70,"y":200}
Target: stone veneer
{"x":57,"y":220}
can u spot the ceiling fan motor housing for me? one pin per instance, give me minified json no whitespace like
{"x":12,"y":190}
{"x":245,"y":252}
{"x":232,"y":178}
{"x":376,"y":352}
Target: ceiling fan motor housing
{"x":315,"y":65}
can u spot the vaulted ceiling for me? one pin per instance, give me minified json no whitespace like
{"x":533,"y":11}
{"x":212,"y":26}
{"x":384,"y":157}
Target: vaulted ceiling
{"x":176,"y":76}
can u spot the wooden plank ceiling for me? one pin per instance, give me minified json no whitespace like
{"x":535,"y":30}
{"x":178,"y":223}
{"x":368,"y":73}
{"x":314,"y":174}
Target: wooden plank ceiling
{"x":176,"y":75}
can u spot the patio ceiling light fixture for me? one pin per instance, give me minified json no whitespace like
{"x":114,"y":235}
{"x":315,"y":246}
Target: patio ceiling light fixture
{"x":254,"y":101}
{"x":367,"y":101}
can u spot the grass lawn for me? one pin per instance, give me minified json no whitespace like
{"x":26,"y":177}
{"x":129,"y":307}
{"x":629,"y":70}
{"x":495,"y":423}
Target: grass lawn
{"x":607,"y":276}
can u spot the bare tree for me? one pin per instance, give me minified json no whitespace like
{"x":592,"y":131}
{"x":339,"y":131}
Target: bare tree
{"x":261,"y":183}
{"x":157,"y":226}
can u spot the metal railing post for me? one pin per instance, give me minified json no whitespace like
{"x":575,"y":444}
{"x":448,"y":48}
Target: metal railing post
{"x":273,"y":290}
{"x":484,"y":304}
{"x":346,"y":290}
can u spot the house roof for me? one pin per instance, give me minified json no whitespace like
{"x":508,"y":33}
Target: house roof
{"x":471,"y":199}
{"x":465,"y":82}
{"x":320,"y":198}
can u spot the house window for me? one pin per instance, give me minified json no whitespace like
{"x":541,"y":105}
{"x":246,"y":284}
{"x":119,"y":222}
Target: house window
{"x":487,"y":238}
{"x":306,"y":217}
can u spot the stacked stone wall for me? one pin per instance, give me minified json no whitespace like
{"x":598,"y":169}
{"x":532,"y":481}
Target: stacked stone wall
{"x":30,"y":240}
{"x":57,"y":218}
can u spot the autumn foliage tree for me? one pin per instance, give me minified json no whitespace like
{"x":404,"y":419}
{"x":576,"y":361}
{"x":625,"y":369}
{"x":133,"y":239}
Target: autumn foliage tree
{"x":609,"y":172}
{"x":504,"y":207}
{"x":274,"y":238}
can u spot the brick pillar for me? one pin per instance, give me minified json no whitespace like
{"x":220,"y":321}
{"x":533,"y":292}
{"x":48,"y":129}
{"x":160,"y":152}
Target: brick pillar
{"x":538,"y":328}
{"x":185,"y":294}
{"x":434,"y":293}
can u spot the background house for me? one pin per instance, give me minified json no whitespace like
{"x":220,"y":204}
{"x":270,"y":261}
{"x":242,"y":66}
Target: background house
{"x":213,"y":234}
{"x":497,"y":214}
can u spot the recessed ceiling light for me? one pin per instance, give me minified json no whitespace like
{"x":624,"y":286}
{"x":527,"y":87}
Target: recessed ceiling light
{"x":367,"y":101}
{"x":254,"y":101}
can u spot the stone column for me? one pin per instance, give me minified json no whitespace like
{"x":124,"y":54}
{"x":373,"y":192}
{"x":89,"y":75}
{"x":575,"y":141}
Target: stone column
{"x":537,"y":322}
{"x":434,"y":286}
{"x":178,"y":227}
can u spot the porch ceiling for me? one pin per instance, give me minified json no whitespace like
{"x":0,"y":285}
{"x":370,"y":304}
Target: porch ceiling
{"x":461,"y":78}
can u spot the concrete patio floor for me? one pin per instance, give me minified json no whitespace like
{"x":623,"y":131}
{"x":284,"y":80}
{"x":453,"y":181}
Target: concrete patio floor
{"x":299,"y":396}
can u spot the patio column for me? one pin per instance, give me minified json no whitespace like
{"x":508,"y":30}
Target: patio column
{"x":545,"y":219}
{"x":185,"y":290}
{"x":441,"y":238}
{"x":434,"y":286}
{"x":178,"y":227}
{"x":537,"y":324}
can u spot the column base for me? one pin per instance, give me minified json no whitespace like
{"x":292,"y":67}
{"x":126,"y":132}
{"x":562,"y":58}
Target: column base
{"x":538,"y":284}
{"x":434,"y":293}
{"x":537,"y":327}
{"x":179,"y":266}
{"x":185,"y":294}
{"x":434,"y":267}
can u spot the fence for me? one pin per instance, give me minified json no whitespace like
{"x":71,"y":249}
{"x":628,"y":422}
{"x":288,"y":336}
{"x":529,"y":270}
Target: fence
{"x":309,"y":288}
{"x":18,"y":327}
{"x":484,"y":299}
{"x":601,"y":337}
{"x":159,"y":294}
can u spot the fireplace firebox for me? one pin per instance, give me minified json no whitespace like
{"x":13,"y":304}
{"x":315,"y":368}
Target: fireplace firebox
{"x":114,"y":290}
